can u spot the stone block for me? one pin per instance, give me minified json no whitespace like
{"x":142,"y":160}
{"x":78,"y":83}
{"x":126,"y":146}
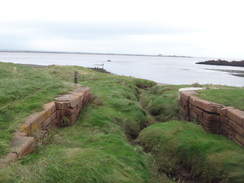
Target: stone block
{"x":26,"y":128}
{"x":235,"y":115}
{"x":46,"y":123}
{"x":183,"y":103}
{"x":61,"y":105}
{"x":205,"y":105}
{"x":50,"y":107}
{"x":223,"y":111}
{"x":54,"y":115}
{"x":186,"y":94}
{"x":222,"y":119}
{"x":70,"y":111}
{"x":197,"y":110}
{"x":226,"y":130}
{"x":211,"y":117}
{"x":23,"y":145}
{"x":236,"y":127}
{"x":240,"y":139}
{"x":193,"y":116}
{"x":209,"y":124}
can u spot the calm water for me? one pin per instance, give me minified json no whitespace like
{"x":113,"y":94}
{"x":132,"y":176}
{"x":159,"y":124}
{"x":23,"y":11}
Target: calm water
{"x":171,"y":70}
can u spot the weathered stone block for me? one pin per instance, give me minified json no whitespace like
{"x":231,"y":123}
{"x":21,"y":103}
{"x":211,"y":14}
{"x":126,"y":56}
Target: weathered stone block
{"x":226,"y":130}
{"x":209,"y":124}
{"x":46,"y":123}
{"x":61,"y":105}
{"x":54,"y":115}
{"x":240,"y":139}
{"x":235,"y":115}
{"x":193,"y":115}
{"x":197,"y":110}
{"x":211,"y":117}
{"x":23,"y":145}
{"x":205,"y":105}
{"x":50,"y":107}
{"x":183,"y":103}
{"x":235,"y":127}
{"x":186,"y":94}
{"x":223,"y":111}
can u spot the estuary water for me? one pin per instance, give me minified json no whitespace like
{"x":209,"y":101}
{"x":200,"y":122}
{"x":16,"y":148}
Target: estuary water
{"x":169,"y":70}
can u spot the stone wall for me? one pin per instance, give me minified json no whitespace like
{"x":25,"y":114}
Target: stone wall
{"x":64,"y":111}
{"x":213,"y":117}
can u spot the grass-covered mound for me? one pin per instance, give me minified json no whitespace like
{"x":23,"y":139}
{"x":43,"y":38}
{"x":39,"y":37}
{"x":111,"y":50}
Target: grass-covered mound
{"x":210,"y":158}
{"x":229,"y":97}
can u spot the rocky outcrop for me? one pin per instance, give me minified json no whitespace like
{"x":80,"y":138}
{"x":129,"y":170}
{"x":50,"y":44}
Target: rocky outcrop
{"x":223,"y":63}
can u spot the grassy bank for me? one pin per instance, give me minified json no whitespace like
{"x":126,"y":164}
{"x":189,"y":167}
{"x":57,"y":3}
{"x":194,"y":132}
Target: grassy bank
{"x":96,"y":149}
{"x":24,"y":90}
{"x":229,"y":97}
{"x":184,"y":145}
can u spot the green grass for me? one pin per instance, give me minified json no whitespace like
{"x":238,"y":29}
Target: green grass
{"x":229,"y":97}
{"x":207,"y":156}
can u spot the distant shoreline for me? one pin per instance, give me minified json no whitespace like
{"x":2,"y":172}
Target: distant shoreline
{"x":90,"y":53}
{"x":223,"y":63}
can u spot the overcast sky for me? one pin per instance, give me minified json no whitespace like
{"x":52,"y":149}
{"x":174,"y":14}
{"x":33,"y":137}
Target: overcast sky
{"x":210,"y":28}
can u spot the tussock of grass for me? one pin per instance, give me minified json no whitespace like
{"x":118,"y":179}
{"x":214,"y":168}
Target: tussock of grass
{"x":207,"y":156}
{"x":228,"y":97}
{"x":161,"y":102}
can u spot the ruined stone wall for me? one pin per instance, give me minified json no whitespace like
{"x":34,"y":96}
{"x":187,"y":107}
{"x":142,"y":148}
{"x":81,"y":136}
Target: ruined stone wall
{"x":64,"y":111}
{"x":213,"y":117}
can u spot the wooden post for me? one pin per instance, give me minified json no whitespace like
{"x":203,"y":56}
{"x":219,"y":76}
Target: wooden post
{"x":76,"y":77}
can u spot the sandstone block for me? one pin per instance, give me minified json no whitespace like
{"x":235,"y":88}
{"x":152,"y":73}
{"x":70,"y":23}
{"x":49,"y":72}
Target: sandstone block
{"x":209,"y":124}
{"x":223,"y":111}
{"x":226,"y":130}
{"x":193,"y":115}
{"x":240,"y":139}
{"x":186,"y":94}
{"x":197,"y":110}
{"x":46,"y":123}
{"x":235,"y":115}
{"x":205,"y":105}
{"x":239,"y":129}
{"x":23,"y":145}
{"x":50,"y":107}
{"x":211,"y":117}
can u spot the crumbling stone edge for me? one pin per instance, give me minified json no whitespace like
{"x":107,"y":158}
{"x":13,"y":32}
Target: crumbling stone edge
{"x":213,"y":117}
{"x":63,"y":111}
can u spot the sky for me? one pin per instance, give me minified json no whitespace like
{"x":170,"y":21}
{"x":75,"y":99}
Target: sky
{"x":206,"y":28}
